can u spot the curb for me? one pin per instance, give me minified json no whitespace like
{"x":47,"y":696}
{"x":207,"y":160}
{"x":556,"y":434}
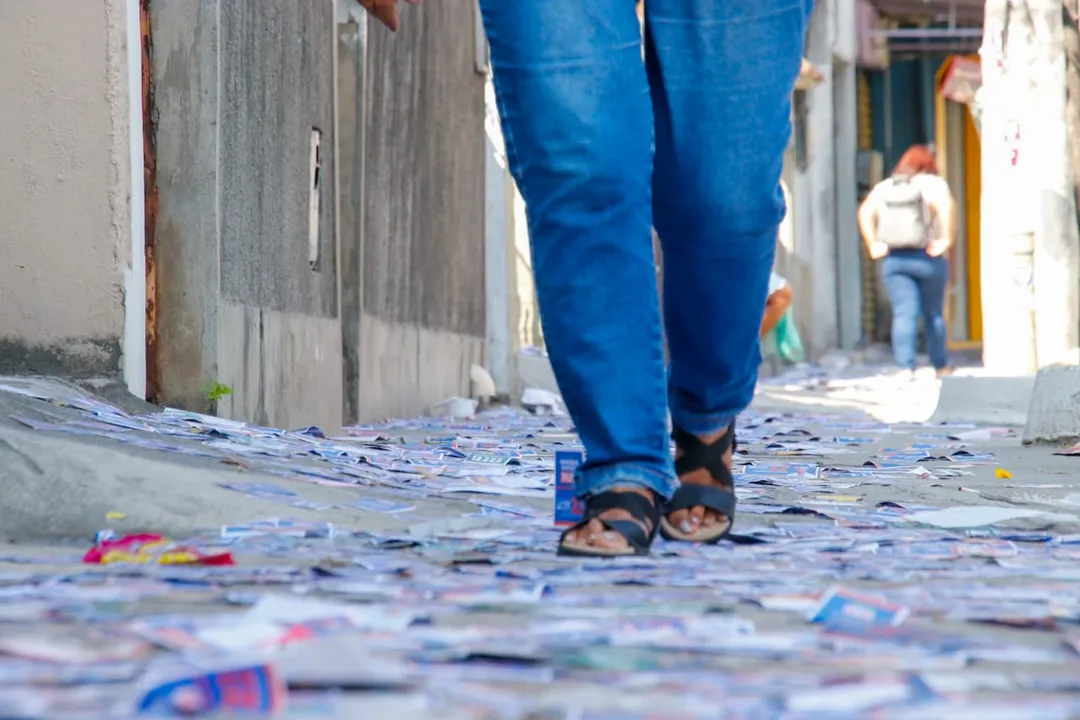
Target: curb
{"x":1054,"y":412}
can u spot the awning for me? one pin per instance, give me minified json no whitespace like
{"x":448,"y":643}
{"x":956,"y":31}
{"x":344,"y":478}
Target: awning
{"x":962,"y":80}
{"x":959,"y":12}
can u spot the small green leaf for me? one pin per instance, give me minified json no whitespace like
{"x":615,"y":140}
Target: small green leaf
{"x":215,"y":391}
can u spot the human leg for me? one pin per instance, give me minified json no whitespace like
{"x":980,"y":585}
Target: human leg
{"x":932,"y":285}
{"x":903,"y":291}
{"x":721,"y":74}
{"x":577,"y":120}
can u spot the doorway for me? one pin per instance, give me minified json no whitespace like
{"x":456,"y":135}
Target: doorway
{"x":959,"y":156}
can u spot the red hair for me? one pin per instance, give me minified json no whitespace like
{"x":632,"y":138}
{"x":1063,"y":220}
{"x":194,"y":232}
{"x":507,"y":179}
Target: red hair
{"x":917,"y":159}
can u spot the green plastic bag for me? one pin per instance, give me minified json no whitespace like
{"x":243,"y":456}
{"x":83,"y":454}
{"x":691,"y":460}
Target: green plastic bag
{"x":788,"y":343}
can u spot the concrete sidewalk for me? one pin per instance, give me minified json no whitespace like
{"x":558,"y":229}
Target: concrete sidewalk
{"x":59,"y":486}
{"x":61,"y":489}
{"x":892,"y":399}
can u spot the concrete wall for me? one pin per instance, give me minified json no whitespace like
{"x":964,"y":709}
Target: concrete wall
{"x":422,"y":288}
{"x":819,"y":243}
{"x":259,"y":278}
{"x":247,"y":274}
{"x":513,"y":314}
{"x":818,"y":193}
{"x":500,"y":303}
{"x":64,"y":180}
{"x":845,"y":183}
{"x":1030,"y":255}
{"x":1057,"y":245}
{"x":371,"y":306}
{"x":351,"y":81}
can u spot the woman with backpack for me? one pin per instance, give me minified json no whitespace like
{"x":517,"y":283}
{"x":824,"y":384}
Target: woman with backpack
{"x":909,"y":222}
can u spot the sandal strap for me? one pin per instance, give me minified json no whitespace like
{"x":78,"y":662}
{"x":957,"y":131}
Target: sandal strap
{"x":697,"y":455}
{"x":701,"y":456}
{"x":634,"y":534}
{"x":641,"y":509}
{"x":719,"y":500}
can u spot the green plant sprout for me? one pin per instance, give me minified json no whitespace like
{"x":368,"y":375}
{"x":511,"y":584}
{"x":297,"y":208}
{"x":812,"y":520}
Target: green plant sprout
{"x":215,"y":391}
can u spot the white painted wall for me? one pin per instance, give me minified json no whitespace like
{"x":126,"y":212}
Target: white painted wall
{"x":513,"y":316}
{"x":815,"y":194}
{"x":819,"y":242}
{"x":498,"y":227}
{"x":845,"y":197}
{"x":1030,"y":252}
{"x":845,"y":34}
{"x":133,"y":344}
{"x":66,"y":229}
{"x":795,"y":260}
{"x":1057,"y":245}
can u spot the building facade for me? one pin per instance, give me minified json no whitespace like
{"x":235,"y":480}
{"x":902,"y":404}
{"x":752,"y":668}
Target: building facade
{"x":244,"y":205}
{"x":819,"y":246}
{"x":70,"y":153}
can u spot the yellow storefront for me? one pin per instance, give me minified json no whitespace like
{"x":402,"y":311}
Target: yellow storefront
{"x":959,"y":156}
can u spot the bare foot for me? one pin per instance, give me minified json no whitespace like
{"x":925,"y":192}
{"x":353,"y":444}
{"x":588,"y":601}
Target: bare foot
{"x":595,"y":535}
{"x":690,"y":521}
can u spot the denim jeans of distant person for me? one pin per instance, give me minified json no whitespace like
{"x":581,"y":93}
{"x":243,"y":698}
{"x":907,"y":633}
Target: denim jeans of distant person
{"x":603,"y":148}
{"x":915,"y":283}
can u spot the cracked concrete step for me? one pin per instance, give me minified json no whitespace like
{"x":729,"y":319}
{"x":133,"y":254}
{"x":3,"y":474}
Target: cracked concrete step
{"x":1054,"y":413}
{"x":58,"y":486}
{"x":973,"y":397}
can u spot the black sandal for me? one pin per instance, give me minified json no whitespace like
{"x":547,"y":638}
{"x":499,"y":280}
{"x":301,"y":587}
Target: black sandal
{"x":718,"y":498}
{"x":641,"y":509}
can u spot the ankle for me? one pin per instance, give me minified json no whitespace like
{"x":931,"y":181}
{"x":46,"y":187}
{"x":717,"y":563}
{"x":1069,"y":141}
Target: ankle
{"x":636,"y":489}
{"x":710,"y":438}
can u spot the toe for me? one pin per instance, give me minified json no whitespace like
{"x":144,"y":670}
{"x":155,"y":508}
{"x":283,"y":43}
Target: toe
{"x":597,"y":535}
{"x":593,"y":532}
{"x":583,"y":536}
{"x":678,"y":518}
{"x":609,"y":540}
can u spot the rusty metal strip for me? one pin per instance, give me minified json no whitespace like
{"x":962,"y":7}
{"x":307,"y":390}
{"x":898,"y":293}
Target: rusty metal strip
{"x":153,"y":378}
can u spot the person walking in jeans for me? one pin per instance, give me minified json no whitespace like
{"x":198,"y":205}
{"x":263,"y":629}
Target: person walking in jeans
{"x":909,"y":221}
{"x":604,"y":145}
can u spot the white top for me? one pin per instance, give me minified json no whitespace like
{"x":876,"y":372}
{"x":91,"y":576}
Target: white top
{"x":776,"y":282}
{"x":935,"y":192}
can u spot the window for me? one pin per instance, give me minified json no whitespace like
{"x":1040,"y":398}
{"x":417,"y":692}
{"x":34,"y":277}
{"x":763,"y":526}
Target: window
{"x":799,"y":112}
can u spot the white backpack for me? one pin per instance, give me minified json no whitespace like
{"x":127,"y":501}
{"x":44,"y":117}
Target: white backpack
{"x":903,"y":218}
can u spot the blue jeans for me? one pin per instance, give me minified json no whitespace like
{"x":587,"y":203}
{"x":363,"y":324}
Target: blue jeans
{"x":916,"y":285}
{"x":603,"y":147}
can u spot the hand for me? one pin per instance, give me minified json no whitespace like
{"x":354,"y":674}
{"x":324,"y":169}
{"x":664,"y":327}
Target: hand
{"x":878,"y":250}
{"x":937,"y":248}
{"x":385,"y":11}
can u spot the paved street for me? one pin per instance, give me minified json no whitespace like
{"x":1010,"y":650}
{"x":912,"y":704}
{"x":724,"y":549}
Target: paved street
{"x":406,"y":570}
